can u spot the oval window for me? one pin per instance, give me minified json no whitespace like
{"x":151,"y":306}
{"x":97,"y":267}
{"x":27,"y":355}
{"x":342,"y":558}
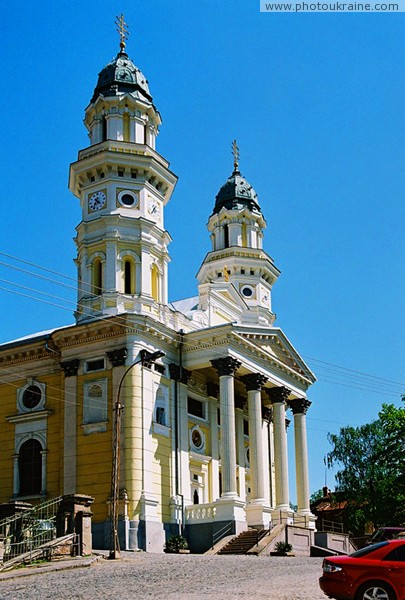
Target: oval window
{"x":31,"y":397}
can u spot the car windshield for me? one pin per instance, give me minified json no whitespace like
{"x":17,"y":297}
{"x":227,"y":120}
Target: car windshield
{"x":368,"y":549}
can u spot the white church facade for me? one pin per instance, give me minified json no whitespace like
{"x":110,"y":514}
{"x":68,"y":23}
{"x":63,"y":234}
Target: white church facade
{"x":203,"y":383}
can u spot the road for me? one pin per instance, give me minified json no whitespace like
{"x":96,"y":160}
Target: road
{"x":140,"y":576}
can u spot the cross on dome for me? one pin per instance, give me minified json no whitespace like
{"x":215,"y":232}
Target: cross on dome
{"x":122,"y":29}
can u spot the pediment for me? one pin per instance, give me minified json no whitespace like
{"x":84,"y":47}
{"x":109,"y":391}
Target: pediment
{"x":274,"y":343}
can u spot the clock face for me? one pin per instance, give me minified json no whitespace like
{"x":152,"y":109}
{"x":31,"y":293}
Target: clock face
{"x":153,"y":207}
{"x":97,"y":201}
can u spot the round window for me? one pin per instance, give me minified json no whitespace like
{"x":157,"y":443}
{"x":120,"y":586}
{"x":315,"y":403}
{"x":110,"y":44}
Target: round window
{"x":196,"y":438}
{"x":32,"y":396}
{"x":128,"y":199}
{"x":247,"y":291}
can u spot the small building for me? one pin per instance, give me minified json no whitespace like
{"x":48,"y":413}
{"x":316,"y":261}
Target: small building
{"x":203,"y":384}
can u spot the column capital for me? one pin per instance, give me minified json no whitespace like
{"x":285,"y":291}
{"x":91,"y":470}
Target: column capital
{"x":299,"y":406}
{"x":267,"y":414}
{"x":226,"y":366}
{"x":278,"y":394}
{"x":179,"y":373}
{"x":118,"y":357}
{"x":70,"y":367}
{"x":253,"y":381}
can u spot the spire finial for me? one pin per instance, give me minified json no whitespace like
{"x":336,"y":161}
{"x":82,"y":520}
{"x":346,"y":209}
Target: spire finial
{"x":235,"y":152}
{"x":122,"y":29}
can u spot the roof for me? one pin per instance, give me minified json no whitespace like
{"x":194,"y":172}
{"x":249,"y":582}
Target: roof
{"x":236,"y":193}
{"x":122,"y":76}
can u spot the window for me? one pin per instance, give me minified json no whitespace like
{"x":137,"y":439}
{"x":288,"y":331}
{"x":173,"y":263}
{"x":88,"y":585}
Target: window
{"x":160,"y":415}
{"x":30,"y":468}
{"x":196,"y":408}
{"x":245,"y":427}
{"x":161,"y":411}
{"x":97,"y":277}
{"x":31,"y":397}
{"x":96,"y":364}
{"x":197,"y":439}
{"x":129,"y":276}
{"x":95,"y":406}
{"x":397,"y":554}
{"x":226,"y":236}
{"x":247,"y":291}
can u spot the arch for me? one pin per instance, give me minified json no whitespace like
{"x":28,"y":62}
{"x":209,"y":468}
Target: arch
{"x":30,"y":467}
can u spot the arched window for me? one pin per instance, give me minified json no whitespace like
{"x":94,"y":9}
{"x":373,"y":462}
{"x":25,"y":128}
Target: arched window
{"x":129,"y":276}
{"x":226,"y":236}
{"x":104,"y":129}
{"x":97,"y":277}
{"x":155,"y":283}
{"x":30,"y":468}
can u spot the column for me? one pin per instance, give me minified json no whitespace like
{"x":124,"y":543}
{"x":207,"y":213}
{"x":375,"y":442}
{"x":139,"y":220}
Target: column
{"x":212,"y":390}
{"x":254,"y":383}
{"x":226,"y":368}
{"x":299,"y":408}
{"x":278,"y":397}
{"x":70,"y":369}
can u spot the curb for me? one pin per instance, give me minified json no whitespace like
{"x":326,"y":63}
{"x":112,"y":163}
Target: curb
{"x":62,"y":566}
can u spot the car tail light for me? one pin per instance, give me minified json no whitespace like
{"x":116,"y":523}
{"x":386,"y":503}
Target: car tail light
{"x":330,"y":567}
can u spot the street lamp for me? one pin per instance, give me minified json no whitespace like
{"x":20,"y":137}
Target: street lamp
{"x":146,"y":359}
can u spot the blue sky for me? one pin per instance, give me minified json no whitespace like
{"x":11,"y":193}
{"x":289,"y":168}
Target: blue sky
{"x":316,"y":103}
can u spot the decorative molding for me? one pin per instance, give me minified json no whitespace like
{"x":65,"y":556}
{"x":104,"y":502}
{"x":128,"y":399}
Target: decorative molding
{"x":118,"y":357}
{"x":253,"y":381}
{"x":226,"y":366}
{"x":28,"y":417}
{"x":299,"y":406}
{"x":278,"y":394}
{"x":196,"y":384}
{"x":267,"y":414}
{"x":70,"y":367}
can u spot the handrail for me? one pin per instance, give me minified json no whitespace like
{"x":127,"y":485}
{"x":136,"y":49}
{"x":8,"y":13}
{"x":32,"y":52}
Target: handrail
{"x":29,"y":529}
{"x":218,"y":535}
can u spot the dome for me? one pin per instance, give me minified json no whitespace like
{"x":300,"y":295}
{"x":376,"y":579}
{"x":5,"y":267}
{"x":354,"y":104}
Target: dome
{"x":236,"y":193}
{"x":122,"y":76}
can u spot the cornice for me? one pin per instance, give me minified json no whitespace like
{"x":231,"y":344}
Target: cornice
{"x":29,"y":416}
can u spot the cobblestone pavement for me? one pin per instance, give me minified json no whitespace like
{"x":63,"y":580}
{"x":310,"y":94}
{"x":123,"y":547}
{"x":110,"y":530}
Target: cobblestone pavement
{"x":175,"y":577}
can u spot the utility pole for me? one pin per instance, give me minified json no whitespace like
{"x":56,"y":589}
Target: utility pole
{"x":146,"y":359}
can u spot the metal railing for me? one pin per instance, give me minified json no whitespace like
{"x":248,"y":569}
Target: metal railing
{"x":227,"y":529}
{"x":26,"y":531}
{"x":329,"y":526}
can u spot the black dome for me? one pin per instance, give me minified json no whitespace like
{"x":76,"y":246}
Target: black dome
{"x":122,"y":76}
{"x":236,"y":193}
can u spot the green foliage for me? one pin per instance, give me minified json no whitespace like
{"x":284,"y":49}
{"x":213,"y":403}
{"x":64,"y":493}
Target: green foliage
{"x":372,"y":474}
{"x":283,"y":547}
{"x":176,"y":543}
{"x":316,"y":496}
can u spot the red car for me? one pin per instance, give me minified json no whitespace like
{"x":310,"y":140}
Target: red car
{"x":373,"y":573}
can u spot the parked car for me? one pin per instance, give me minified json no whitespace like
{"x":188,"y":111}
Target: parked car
{"x":373,"y":573}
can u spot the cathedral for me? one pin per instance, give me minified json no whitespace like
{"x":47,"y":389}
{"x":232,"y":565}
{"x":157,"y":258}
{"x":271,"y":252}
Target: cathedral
{"x":172,"y":415}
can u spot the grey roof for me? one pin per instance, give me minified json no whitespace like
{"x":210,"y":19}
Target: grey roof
{"x":236,"y":193}
{"x":122,"y":76}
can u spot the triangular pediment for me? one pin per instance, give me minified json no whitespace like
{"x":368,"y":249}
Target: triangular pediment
{"x":273,"y":342}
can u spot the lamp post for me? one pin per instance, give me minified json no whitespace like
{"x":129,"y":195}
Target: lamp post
{"x":146,"y":359}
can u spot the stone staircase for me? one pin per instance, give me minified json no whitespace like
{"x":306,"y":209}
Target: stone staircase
{"x":242,"y":543}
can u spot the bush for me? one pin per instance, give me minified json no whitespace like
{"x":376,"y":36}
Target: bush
{"x":175,"y":543}
{"x":283,"y":547}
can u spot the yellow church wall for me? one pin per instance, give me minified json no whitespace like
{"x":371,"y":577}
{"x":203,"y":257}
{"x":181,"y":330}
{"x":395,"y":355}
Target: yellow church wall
{"x":161,"y":476}
{"x":132,"y":429}
{"x":94,"y":451}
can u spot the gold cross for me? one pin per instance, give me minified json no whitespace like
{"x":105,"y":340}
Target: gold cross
{"x":235,"y":152}
{"x":122,"y":29}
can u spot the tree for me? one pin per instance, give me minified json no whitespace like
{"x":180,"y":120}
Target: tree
{"x":372,"y":474}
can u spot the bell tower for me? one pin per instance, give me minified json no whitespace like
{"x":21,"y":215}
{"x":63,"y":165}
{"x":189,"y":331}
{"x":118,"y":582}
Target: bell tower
{"x":237,"y":261}
{"x":123,"y":185}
